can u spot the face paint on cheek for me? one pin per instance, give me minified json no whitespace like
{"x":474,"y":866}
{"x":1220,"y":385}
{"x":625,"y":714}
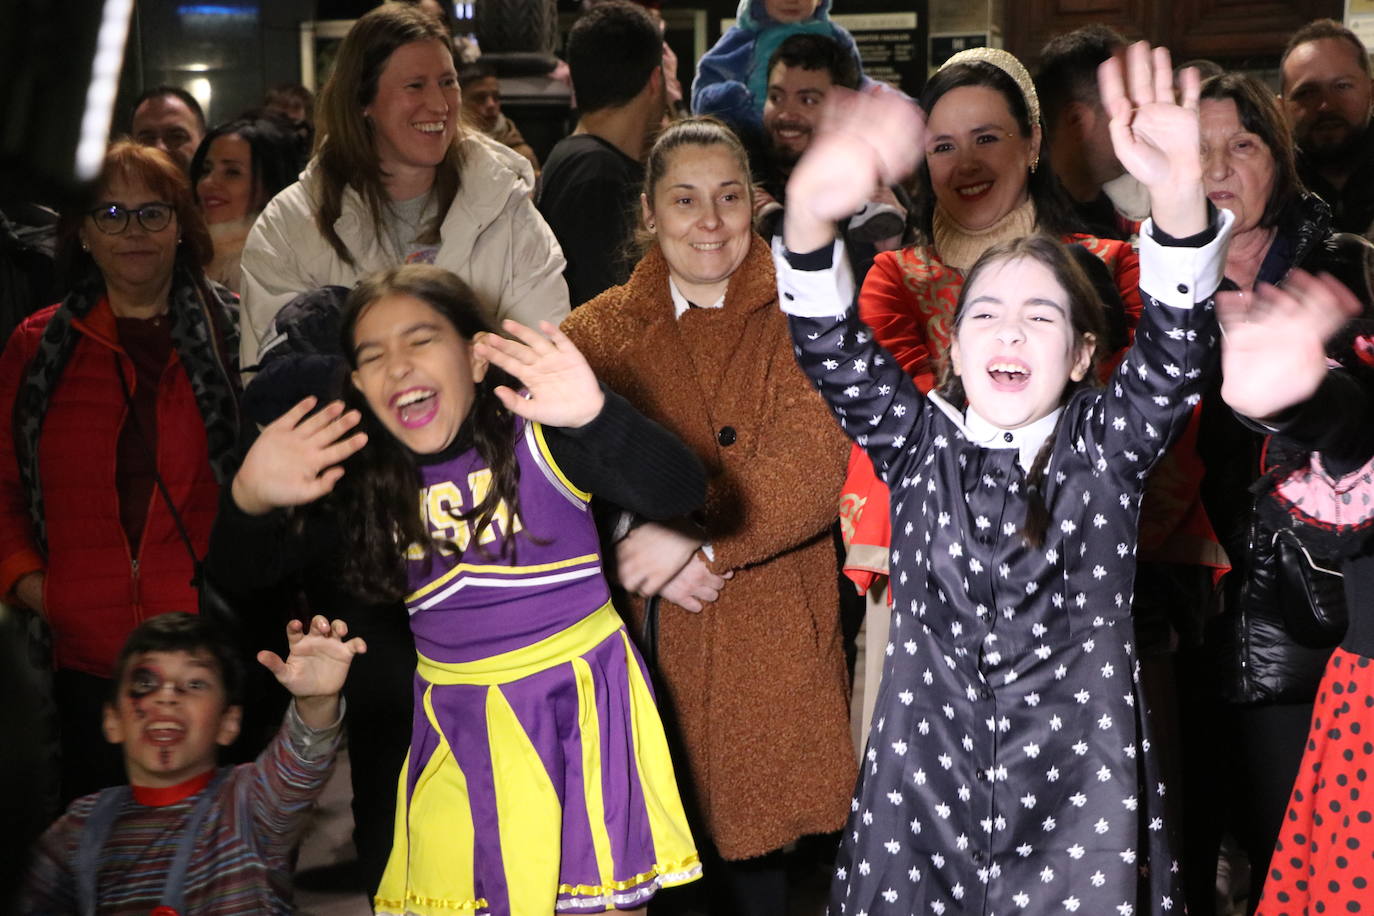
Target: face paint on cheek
{"x":143,"y":683}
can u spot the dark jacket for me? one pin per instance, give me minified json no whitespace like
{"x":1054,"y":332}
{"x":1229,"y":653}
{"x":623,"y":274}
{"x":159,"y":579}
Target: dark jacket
{"x":1254,"y":659}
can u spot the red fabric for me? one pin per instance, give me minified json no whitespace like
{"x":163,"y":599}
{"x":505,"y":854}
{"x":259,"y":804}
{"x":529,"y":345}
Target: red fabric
{"x":93,"y":594}
{"x":1321,"y":862}
{"x":162,"y":796}
{"x":908,"y":299}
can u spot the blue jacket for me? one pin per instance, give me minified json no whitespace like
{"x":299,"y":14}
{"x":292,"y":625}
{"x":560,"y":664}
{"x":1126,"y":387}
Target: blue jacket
{"x":732,"y":78}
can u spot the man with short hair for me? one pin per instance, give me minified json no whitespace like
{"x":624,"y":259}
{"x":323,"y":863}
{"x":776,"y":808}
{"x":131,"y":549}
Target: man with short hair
{"x":589,"y":190}
{"x":802,"y":72}
{"x":171,"y":119}
{"x":1326,"y":93}
{"x":1109,"y":201}
{"x":481,"y":95}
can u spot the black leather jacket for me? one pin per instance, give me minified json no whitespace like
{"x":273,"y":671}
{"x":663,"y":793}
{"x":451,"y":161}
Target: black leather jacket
{"x":1254,"y":660}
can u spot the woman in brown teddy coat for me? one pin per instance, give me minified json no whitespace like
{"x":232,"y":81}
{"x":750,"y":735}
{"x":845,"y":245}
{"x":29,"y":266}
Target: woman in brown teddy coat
{"x":749,"y":647}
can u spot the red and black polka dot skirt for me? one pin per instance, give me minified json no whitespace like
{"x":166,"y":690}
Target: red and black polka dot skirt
{"x":1324,"y":860}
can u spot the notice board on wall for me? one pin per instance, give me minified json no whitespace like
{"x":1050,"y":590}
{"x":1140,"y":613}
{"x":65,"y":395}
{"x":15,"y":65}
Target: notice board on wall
{"x":891,"y":46}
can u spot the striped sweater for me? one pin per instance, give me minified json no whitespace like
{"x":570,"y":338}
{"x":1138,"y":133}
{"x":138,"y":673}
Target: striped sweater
{"x":240,"y":864}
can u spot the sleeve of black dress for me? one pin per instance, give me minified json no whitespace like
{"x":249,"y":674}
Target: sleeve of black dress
{"x":624,"y":457}
{"x":867,"y":390}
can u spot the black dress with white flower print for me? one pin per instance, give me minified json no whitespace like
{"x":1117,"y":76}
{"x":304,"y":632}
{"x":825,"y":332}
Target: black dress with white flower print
{"x":1008,"y":769}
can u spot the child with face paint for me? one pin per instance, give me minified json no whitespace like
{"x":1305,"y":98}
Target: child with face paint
{"x":1009,"y":765}
{"x":184,"y":836}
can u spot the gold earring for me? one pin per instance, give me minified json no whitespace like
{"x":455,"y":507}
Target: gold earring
{"x":1035,"y":163}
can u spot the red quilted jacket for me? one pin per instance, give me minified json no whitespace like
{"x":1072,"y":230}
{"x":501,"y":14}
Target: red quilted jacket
{"x":95,"y":591}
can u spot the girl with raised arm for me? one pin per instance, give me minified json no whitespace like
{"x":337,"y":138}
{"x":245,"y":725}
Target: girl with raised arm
{"x":1009,"y":766}
{"x":538,"y":778}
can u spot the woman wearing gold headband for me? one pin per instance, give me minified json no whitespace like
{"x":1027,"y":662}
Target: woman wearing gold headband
{"x":982,"y":182}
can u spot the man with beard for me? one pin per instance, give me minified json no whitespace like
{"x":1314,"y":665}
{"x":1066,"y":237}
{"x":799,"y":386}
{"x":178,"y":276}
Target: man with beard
{"x":801,"y":73}
{"x":1326,"y":96}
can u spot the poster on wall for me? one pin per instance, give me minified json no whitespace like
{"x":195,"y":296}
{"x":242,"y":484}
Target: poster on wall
{"x":890,"y":47}
{"x":943,"y":47}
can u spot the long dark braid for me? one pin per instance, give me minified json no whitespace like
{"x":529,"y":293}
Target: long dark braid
{"x":376,"y":499}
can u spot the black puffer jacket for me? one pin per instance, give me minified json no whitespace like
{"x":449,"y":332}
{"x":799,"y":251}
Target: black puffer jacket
{"x":1254,"y":659}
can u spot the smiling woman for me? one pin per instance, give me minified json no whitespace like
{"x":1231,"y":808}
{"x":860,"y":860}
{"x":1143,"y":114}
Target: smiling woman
{"x":237,"y":169}
{"x":143,"y":320}
{"x":695,"y":340}
{"x":396,"y":180}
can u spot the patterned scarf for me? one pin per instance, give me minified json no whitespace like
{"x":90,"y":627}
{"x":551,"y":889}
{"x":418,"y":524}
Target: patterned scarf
{"x":203,"y":330}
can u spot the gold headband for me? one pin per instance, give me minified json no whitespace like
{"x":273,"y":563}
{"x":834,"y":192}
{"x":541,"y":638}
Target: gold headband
{"x":1008,"y":64}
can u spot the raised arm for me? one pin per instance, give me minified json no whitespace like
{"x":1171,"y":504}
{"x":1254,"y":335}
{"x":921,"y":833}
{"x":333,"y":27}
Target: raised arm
{"x":862,"y":140}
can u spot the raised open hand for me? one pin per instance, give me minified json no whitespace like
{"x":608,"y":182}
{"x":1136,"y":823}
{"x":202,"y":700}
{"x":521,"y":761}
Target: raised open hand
{"x":1273,"y":352}
{"x":295,"y":459}
{"x":864,"y":139}
{"x":316,"y":667}
{"x":318,"y":662}
{"x":563,"y":390}
{"x":1155,"y":135}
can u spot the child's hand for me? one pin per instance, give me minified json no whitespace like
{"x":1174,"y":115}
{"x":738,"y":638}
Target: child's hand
{"x":563,"y":389}
{"x":294,"y":460}
{"x":864,"y":140}
{"x":1155,"y":137}
{"x":1273,"y":341}
{"x":316,"y":667}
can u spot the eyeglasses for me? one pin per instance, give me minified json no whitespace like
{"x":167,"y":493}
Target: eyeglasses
{"x":112,"y":219}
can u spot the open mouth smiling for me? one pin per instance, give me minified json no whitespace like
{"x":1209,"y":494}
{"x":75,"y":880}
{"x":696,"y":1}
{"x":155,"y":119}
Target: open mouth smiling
{"x":415,"y":407}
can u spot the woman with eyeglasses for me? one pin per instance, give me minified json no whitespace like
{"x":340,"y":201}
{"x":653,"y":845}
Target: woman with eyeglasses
{"x":126,"y":386}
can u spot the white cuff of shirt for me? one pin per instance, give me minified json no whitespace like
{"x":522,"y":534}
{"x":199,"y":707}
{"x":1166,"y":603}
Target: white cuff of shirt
{"x":826,"y":293}
{"x":1180,"y":277}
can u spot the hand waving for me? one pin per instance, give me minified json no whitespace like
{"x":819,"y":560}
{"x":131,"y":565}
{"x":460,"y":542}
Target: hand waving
{"x":296,"y":460}
{"x":563,"y":390}
{"x":864,"y":139}
{"x":1273,"y":352}
{"x":1155,"y":137}
{"x":316,"y":667}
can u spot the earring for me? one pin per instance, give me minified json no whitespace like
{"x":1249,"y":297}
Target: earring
{"x":85,"y":246}
{"x":649,"y":225}
{"x":1035,"y":163}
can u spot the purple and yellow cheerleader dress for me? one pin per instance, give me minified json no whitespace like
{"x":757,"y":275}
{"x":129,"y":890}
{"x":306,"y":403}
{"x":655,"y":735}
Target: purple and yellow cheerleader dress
{"x":538,"y":778}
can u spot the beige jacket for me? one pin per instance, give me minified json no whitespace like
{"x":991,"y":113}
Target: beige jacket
{"x":492,"y":237}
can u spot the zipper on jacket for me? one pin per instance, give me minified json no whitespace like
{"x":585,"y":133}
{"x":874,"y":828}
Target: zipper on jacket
{"x":134,"y":584}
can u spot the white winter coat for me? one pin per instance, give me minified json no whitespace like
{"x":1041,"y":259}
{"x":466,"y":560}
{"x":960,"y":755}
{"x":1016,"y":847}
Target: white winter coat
{"x":492,"y":237}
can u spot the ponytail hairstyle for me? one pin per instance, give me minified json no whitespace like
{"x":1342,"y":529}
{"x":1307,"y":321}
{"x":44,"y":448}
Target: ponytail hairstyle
{"x":697,"y":133}
{"x":376,"y":510}
{"x":345,"y":141}
{"x":1087,"y":317}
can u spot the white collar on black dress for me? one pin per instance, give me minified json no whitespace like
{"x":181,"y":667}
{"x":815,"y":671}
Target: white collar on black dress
{"x":980,"y":432}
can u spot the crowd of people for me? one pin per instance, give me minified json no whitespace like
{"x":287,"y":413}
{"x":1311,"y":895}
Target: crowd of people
{"x":966,"y":496}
